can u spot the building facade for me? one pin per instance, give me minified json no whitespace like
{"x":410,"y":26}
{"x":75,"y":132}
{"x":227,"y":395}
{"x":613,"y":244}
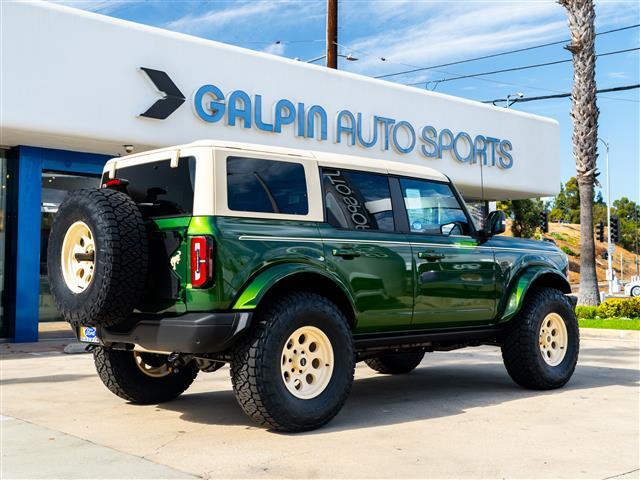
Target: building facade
{"x":78,"y":88}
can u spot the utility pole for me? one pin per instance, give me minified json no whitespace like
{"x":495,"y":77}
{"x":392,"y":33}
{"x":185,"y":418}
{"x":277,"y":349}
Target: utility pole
{"x":609,"y":249}
{"x":621,"y":274}
{"x":332,"y":34}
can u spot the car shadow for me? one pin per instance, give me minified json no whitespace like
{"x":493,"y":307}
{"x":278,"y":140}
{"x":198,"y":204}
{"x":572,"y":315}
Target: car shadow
{"x":431,"y":391}
{"x":45,"y":379}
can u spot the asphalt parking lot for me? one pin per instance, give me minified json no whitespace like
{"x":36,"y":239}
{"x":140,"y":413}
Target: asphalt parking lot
{"x":457,"y":416}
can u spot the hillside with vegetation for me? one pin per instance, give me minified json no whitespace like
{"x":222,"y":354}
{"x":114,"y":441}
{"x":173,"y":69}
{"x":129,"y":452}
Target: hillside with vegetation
{"x":567,"y":237}
{"x":564,"y":228}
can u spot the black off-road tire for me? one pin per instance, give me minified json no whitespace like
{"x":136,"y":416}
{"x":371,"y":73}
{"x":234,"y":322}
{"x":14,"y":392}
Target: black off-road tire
{"x":396,"y":363}
{"x":256,"y":359}
{"x":118,"y":371}
{"x":520,"y":343}
{"x":120,"y":257}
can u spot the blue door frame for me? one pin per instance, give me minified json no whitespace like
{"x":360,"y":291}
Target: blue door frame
{"x":22,"y":301}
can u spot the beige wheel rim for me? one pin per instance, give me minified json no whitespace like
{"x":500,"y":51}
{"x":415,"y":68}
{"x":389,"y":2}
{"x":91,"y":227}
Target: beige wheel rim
{"x":307,"y":362}
{"x":151,"y":370}
{"x":553,"y":339}
{"x":78,"y":257}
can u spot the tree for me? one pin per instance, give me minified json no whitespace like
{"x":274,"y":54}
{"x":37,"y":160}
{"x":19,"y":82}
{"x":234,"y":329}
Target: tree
{"x":525,"y":214}
{"x":628,"y":212}
{"x":584,"y":111}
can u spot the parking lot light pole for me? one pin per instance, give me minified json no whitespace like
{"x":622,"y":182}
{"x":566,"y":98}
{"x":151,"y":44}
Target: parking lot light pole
{"x":609,"y":252}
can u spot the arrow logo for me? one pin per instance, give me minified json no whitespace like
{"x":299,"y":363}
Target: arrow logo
{"x":171,"y":99}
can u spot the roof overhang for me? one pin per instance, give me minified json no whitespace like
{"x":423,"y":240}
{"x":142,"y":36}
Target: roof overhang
{"x":81,"y":81}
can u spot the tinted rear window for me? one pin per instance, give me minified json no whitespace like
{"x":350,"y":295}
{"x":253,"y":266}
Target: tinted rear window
{"x":160,"y":189}
{"x":266,"y":186}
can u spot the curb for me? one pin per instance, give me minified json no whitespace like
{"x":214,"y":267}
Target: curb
{"x":606,"y":334}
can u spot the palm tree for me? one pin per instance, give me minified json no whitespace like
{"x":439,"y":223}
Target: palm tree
{"x":584,"y":112}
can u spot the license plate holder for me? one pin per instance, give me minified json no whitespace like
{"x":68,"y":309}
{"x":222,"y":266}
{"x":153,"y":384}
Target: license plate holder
{"x":88,"y":335}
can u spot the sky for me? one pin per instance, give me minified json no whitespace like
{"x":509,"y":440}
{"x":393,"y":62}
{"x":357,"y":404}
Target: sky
{"x":416,"y":33}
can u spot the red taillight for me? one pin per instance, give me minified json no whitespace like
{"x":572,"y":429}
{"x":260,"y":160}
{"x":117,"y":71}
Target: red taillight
{"x":201,"y":261}
{"x":115,"y":182}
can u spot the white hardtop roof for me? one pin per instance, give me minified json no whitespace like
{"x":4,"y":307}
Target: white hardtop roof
{"x":324,"y":159}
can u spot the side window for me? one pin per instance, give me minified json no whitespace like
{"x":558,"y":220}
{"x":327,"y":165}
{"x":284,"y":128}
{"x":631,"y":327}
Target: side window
{"x":267,"y":186}
{"x":357,"y":200}
{"x":433,"y":208}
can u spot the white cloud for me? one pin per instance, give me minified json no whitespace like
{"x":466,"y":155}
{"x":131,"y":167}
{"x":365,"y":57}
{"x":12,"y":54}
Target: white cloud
{"x":194,"y":23}
{"x":98,"y":6}
{"x":426,"y":33}
{"x":275,"y":49}
{"x":458,"y":30}
{"x":621,"y":75}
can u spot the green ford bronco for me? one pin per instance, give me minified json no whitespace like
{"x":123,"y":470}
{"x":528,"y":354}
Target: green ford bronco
{"x":292,"y":266}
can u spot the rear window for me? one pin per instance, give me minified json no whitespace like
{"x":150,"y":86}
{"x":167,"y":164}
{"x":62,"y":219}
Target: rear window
{"x":266,"y":186}
{"x":159,"y":189}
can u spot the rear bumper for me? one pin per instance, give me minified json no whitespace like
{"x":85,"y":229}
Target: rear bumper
{"x":188,"y":333}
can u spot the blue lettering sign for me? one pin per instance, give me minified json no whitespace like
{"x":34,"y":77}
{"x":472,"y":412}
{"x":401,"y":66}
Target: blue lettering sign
{"x":412,"y":137}
{"x":214,"y":111}
{"x":285,"y":113}
{"x":316,"y":111}
{"x":348,"y":129}
{"x":211,"y":106}
{"x":429,"y":136}
{"x":243,"y":111}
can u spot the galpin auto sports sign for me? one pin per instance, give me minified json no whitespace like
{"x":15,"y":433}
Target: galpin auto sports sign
{"x":238,"y":108}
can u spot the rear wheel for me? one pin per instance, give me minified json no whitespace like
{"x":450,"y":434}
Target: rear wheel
{"x":395,"y":363}
{"x":540,"y":347}
{"x":142,"y":377}
{"x":635,"y":291}
{"x":294,"y":370}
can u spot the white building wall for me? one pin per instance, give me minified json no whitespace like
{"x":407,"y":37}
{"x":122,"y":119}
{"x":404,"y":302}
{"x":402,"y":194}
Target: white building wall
{"x":72,"y":80}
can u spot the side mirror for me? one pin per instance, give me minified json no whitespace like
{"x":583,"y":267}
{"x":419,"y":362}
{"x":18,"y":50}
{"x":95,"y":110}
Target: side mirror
{"x":453,"y":228}
{"x":496,"y":223}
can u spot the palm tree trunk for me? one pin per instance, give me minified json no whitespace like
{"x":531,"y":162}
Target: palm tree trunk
{"x":581,"y":16}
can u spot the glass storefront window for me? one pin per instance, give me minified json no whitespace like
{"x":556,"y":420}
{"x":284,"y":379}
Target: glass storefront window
{"x":3,"y":221}
{"x":55,"y":187}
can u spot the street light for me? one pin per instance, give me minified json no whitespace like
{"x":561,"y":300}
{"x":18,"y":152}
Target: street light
{"x":609,"y":266}
{"x":348,"y":57}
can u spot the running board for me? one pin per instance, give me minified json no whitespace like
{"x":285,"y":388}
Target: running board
{"x":424,"y":339}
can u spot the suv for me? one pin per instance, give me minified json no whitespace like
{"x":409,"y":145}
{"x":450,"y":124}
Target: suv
{"x":292,"y":266}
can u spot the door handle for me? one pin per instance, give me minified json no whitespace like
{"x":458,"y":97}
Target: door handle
{"x":346,"y":253}
{"x":430,"y":255}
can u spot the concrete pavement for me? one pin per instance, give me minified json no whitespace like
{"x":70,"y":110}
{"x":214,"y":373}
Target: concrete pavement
{"x":32,"y":451}
{"x":457,"y":416}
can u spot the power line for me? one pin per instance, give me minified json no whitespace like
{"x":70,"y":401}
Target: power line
{"x":560,"y":95}
{"x":493,"y":55}
{"x":514,"y":69}
{"x":270,"y":42}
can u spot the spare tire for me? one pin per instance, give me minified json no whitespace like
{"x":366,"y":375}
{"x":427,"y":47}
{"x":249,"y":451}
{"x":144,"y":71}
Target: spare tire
{"x":97,"y":257}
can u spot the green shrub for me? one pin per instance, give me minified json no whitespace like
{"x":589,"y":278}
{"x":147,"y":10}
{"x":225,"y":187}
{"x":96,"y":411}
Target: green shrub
{"x":568,"y":251}
{"x":619,"y":307}
{"x":583,"y":311}
{"x":559,"y":236}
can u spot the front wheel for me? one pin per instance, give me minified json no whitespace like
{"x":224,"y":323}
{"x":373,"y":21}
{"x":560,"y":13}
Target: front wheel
{"x":540,"y":347}
{"x":635,"y":291}
{"x":142,"y":377}
{"x":294,"y":370}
